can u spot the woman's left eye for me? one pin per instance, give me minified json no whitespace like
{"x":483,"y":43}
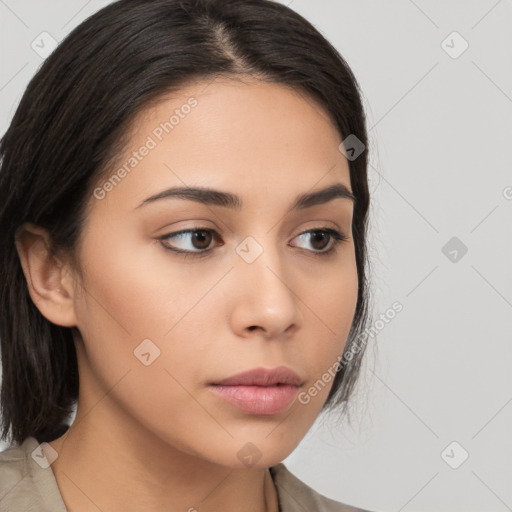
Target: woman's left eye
{"x":198,"y":244}
{"x":322,"y":237}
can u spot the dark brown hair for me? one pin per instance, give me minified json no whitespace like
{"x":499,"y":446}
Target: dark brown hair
{"x":71,"y":123}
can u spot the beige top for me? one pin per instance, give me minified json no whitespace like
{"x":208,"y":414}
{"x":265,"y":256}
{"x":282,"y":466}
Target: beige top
{"x":30,"y":486}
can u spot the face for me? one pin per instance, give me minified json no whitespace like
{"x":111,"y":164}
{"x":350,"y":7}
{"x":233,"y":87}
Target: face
{"x":182,"y":291}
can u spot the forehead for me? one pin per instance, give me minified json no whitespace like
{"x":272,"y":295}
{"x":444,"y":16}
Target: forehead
{"x":243,"y":136}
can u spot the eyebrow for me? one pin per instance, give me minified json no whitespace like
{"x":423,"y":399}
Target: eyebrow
{"x":228,"y":200}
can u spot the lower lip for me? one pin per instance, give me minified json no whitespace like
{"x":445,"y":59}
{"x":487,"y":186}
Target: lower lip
{"x":258,"y":399}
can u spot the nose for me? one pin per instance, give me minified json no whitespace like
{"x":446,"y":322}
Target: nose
{"x":263,"y":299}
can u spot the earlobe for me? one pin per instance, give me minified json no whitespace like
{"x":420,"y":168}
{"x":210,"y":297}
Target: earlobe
{"x":48,"y":278}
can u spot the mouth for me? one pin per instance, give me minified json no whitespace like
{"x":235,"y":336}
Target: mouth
{"x":259,"y":391}
{"x":263,"y":377}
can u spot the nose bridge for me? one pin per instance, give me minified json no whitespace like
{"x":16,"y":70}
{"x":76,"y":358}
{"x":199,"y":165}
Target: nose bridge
{"x":265,"y":297}
{"x":261,"y":258}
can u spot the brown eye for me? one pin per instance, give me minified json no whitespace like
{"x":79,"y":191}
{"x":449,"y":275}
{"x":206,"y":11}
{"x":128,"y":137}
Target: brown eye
{"x":189,"y":240}
{"x":320,"y":238}
{"x":201,"y":239}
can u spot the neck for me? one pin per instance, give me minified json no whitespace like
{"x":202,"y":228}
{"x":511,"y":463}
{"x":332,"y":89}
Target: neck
{"x":120,"y":470}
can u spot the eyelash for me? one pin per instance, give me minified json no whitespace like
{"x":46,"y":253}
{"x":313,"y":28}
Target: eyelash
{"x":335,"y":235}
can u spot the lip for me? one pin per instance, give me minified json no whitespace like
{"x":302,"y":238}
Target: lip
{"x":259,"y":391}
{"x":262,"y":377}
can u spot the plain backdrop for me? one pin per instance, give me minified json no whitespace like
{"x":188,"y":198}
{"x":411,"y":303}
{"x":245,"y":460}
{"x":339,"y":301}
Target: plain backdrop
{"x":432,"y":418}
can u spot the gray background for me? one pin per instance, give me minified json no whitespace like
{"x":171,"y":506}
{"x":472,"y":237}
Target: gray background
{"x":441,"y":154}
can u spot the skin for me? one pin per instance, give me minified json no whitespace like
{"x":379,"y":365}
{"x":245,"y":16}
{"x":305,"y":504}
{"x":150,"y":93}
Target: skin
{"x":155,"y":437}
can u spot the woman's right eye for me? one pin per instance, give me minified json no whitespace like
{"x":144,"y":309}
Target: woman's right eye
{"x":190,"y":245}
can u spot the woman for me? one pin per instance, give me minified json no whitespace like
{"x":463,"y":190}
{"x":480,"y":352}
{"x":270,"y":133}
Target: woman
{"x":183,"y":257}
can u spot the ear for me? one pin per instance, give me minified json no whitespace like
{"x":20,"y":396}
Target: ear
{"x":50,"y":281}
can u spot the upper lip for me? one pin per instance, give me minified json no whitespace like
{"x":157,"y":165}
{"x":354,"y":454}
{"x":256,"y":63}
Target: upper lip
{"x":262,"y":377}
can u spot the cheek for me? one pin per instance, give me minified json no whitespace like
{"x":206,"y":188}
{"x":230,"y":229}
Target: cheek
{"x":331,"y":310}
{"x":137,"y":352}
{"x":133,"y":288}
{"x":130,"y":306}
{"x":334,"y":300}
